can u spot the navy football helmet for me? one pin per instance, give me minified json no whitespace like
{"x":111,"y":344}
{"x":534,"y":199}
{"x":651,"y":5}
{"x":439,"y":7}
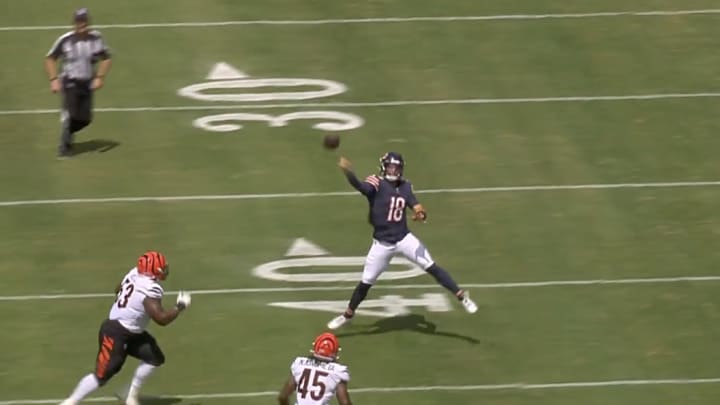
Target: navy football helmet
{"x":391,"y":166}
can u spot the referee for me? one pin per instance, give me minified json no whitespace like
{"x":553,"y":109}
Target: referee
{"x":79,"y":51}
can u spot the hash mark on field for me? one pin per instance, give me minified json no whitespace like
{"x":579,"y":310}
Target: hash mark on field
{"x":500,"y":189}
{"x":520,"y":284}
{"x":380,"y":20}
{"x":392,"y":103}
{"x":370,"y":390}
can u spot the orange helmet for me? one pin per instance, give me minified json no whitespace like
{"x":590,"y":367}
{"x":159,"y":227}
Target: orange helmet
{"x":154,"y":265}
{"x":326,"y":347}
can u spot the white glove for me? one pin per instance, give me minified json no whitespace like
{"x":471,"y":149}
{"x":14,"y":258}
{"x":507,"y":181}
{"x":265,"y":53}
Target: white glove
{"x":183,"y":300}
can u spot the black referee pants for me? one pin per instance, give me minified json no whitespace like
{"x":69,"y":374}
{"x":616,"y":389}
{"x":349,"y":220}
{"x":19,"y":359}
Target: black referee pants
{"x":76,"y":110}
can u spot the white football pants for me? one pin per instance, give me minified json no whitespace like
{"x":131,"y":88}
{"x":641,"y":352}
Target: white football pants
{"x":381,"y":253}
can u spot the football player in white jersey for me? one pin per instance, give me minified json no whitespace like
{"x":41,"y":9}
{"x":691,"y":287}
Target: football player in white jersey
{"x":138,"y":300}
{"x":317,"y":378}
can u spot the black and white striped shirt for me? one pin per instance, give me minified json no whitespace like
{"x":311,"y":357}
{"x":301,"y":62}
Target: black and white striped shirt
{"x":79,"y":54}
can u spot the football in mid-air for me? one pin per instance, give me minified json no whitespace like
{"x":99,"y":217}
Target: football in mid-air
{"x":331,"y":141}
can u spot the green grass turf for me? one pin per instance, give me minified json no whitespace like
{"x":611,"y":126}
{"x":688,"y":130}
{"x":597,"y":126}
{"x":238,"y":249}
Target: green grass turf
{"x":236,"y":342}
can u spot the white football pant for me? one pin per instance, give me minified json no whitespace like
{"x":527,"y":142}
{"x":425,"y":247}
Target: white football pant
{"x":381,"y":253}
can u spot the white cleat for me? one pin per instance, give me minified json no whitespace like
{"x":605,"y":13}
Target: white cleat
{"x":68,"y":401}
{"x":338,"y":321}
{"x":469,"y":304}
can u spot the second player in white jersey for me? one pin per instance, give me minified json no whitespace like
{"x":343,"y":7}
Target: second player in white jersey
{"x":317,"y":378}
{"x":129,"y":309}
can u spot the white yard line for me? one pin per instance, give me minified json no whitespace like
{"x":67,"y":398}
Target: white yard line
{"x":380,"y":20}
{"x":216,"y":197}
{"x":446,"y":388}
{"x":520,"y":284}
{"x":392,"y":103}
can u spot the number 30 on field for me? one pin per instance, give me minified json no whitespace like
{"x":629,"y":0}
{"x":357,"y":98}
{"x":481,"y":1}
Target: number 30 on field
{"x":224,"y":76}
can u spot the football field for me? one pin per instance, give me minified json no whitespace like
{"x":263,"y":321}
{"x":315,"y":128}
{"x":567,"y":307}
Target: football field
{"x":566,"y":152}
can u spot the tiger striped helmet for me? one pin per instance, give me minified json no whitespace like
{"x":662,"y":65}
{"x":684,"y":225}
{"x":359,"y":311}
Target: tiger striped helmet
{"x":153,"y":265}
{"x":326,"y":347}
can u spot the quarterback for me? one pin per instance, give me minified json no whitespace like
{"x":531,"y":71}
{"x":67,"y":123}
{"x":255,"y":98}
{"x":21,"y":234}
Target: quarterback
{"x":389,"y":195}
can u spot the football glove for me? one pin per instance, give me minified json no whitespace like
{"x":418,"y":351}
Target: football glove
{"x":183,"y":300}
{"x":419,"y":213}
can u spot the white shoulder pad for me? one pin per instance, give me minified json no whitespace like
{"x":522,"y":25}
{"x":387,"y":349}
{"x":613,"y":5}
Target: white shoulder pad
{"x":296,"y":366}
{"x":341,"y":372}
{"x":374,"y":180}
{"x":150,"y":288}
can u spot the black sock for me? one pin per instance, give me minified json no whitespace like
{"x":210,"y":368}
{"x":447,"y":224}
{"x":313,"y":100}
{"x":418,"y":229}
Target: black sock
{"x":358,"y":296}
{"x":443,"y":278}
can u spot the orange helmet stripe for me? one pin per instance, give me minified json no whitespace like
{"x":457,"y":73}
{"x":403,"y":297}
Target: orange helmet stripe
{"x":152,"y":263}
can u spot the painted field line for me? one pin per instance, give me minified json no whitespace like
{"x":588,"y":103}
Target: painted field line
{"x":379,"y":20}
{"x":392,"y":103}
{"x":446,"y":388}
{"x":465,"y":190}
{"x":520,"y":284}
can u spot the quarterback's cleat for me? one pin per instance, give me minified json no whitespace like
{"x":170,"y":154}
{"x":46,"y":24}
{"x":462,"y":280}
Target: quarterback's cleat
{"x":468,"y":304}
{"x":338,"y":321}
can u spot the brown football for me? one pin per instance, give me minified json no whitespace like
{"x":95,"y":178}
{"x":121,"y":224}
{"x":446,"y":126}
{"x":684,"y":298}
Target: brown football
{"x":331,"y":141}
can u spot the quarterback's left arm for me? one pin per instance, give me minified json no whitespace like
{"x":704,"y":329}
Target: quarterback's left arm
{"x":285,"y":392}
{"x":419,"y":213}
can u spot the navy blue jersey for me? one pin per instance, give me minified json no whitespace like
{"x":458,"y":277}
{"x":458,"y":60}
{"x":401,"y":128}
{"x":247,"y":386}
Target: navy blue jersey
{"x":388,"y":202}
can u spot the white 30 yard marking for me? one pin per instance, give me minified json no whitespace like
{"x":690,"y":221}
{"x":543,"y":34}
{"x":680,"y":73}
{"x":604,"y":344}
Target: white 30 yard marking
{"x":519,"y":284}
{"x":223,"y":76}
{"x":391,"y":103}
{"x":500,"y":189}
{"x":381,"y":20}
{"x":373,"y":390}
